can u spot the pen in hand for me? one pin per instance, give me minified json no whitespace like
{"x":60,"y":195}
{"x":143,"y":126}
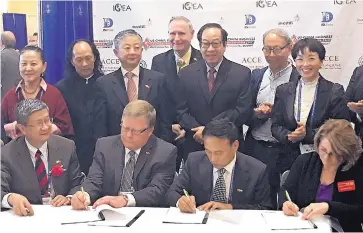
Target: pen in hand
{"x":191,"y":204}
{"x":84,"y":198}
{"x":292,"y":206}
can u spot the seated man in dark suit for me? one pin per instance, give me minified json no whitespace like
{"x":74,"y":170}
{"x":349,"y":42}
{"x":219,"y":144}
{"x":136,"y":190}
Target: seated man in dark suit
{"x":28,"y":161}
{"x":220,"y":177}
{"x":132,"y":82}
{"x":134,"y":170}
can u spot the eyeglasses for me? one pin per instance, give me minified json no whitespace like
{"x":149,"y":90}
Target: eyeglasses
{"x":39,"y":124}
{"x":276,"y":50}
{"x":133,"y":131}
{"x":325,"y":152}
{"x":309,"y":60}
{"x":215,"y":44}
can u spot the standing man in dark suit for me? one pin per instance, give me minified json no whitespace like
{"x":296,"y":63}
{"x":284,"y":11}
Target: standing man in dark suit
{"x":220,"y":177}
{"x":27,"y":161}
{"x":132,"y":82}
{"x":169,"y":63}
{"x":354,"y":95}
{"x":134,"y":171}
{"x":10,"y":75}
{"x":260,"y":143}
{"x":212,"y":88}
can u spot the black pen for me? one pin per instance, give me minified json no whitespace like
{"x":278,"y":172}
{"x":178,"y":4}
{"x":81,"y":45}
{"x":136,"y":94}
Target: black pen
{"x":135,"y":218}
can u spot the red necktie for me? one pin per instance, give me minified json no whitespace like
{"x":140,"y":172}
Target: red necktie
{"x":41,"y":173}
{"x":131,"y":87}
{"x":211,"y":78}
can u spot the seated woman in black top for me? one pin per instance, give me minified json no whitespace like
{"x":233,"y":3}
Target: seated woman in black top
{"x":330,"y":181}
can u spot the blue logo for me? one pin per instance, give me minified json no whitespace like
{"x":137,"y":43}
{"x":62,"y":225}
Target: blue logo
{"x":326,"y":17}
{"x":250,"y":19}
{"x":107,"y":22}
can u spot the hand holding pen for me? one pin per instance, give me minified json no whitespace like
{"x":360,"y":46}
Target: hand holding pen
{"x":186,"y":203}
{"x":289,"y":208}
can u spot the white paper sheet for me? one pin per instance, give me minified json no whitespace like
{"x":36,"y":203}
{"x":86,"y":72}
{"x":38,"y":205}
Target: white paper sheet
{"x":174,"y":215}
{"x":277,"y":220}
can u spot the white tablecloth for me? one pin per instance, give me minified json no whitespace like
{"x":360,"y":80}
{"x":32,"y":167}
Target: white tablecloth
{"x":49,"y":219}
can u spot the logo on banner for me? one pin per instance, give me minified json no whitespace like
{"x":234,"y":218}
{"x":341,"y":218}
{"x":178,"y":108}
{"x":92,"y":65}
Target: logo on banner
{"x":143,"y":64}
{"x":156,"y":43}
{"x":250,"y":21}
{"x":103,"y":43}
{"x":192,"y":6}
{"x":360,"y":61}
{"x":253,"y":62}
{"x":266,"y":3}
{"x":327,"y":17}
{"x":360,"y":20}
{"x":332,"y":62}
{"x":120,"y":7}
{"x":341,"y":2}
{"x":107,"y":24}
{"x":289,"y":23}
{"x":241,"y":41}
{"x":324,"y":39}
{"x":139,"y":26}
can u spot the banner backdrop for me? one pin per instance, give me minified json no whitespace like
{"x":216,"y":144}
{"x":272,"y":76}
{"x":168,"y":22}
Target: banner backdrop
{"x":338,"y":24}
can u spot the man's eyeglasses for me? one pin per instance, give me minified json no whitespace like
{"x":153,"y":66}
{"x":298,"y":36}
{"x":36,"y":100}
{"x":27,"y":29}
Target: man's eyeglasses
{"x":276,"y":50}
{"x":39,"y":124}
{"x":206,"y":45}
{"x":133,"y":131}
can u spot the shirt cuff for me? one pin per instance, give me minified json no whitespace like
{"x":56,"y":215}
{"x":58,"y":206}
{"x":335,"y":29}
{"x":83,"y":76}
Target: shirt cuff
{"x":131,"y":200}
{"x":177,"y":204}
{"x":4,"y":202}
{"x":359,"y":118}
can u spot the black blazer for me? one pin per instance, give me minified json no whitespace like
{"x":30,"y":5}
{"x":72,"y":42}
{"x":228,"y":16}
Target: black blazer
{"x":354,"y":93}
{"x":250,"y":182}
{"x":303,"y":183}
{"x":330,"y":104}
{"x":256,"y":80}
{"x":151,"y":89}
{"x":165,"y":63}
{"x":229,"y":98}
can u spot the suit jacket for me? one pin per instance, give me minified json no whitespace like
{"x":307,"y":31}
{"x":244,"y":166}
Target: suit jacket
{"x":153,"y":174}
{"x":10,"y":75}
{"x":250,"y":176}
{"x":256,"y":80}
{"x":303,"y":183}
{"x":354,"y":93}
{"x":18,"y":174}
{"x":151,"y":89}
{"x":165,"y":63}
{"x":229,"y":97}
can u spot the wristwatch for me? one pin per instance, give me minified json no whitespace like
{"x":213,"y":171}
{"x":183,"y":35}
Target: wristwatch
{"x":125,"y":197}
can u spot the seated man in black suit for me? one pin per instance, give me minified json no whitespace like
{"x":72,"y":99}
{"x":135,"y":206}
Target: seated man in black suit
{"x":220,"y":177}
{"x":132,"y":82}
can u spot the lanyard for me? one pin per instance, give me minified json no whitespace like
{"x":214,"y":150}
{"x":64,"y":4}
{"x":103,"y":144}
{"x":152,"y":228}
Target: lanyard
{"x":299,"y":103}
{"x":230,"y":188}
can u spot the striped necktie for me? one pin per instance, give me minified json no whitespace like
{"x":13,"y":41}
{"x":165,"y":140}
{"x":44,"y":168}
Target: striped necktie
{"x":41,"y":172}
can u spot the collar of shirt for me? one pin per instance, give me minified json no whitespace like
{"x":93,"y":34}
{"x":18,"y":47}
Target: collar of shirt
{"x":279,"y":73}
{"x":309,"y":84}
{"x":186,"y":57}
{"x":216,"y":67}
{"x":89,"y":77}
{"x":228,"y":167}
{"x":42,"y":84}
{"x":127,"y":156}
{"x":43,"y":149}
{"x":135,"y":71}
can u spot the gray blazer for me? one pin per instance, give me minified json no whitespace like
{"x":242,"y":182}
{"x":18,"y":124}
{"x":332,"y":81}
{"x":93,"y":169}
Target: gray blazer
{"x":251,"y":189}
{"x":10,"y":75}
{"x":18,"y":174}
{"x":153,"y":174}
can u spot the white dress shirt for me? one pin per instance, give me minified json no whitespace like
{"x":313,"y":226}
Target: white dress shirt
{"x":32,"y":150}
{"x":307,"y":99}
{"x":227,"y":176}
{"x":135,"y":77}
{"x":216,"y":68}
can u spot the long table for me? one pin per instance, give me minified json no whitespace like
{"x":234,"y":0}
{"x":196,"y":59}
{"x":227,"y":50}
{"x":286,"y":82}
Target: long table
{"x":48,"y":219}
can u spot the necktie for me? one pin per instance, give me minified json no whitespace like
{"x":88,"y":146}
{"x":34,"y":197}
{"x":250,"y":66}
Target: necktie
{"x":127,"y":175}
{"x":180,"y":64}
{"x":211,"y":78}
{"x":131,"y":87}
{"x":219,"y":191}
{"x":41,"y":173}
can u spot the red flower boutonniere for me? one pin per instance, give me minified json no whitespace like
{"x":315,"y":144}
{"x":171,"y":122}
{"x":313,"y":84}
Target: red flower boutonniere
{"x":57,"y":169}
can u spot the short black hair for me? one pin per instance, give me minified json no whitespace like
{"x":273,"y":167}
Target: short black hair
{"x":313,"y":45}
{"x":212,"y":25}
{"x":35,"y":49}
{"x":223,"y":129}
{"x":35,"y":34}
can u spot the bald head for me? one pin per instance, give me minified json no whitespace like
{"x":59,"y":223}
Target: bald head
{"x":8,"y":39}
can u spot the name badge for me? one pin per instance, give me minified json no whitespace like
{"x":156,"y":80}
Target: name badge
{"x":346,"y":186}
{"x":306,"y":148}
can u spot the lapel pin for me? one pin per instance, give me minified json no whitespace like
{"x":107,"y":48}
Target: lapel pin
{"x":147,"y":152}
{"x":195,"y":59}
{"x":147,"y":86}
{"x":239,"y":190}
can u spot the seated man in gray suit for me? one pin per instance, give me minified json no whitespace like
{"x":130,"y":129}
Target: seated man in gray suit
{"x":27,"y":161}
{"x":135,"y":169}
{"x":220,"y":177}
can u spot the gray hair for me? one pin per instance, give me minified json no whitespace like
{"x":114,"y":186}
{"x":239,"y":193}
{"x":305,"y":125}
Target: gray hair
{"x":121,"y":35}
{"x":25,"y":108}
{"x":8,"y":39}
{"x":343,"y":140}
{"x":141,"y":108}
{"x":280,"y":32}
{"x":185,"y":19}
